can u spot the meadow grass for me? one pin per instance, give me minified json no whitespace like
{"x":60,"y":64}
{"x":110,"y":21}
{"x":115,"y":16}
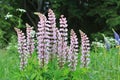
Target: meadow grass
{"x":104,"y":65}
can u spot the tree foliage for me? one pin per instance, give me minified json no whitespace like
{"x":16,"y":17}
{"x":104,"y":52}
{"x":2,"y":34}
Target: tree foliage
{"x":91,"y":16}
{"x":109,"y":10}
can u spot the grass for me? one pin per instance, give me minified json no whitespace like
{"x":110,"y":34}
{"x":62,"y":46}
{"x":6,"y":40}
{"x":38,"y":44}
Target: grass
{"x":8,"y":64}
{"x":105,"y":65}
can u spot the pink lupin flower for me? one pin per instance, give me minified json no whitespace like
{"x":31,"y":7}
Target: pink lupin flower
{"x":63,"y":28}
{"x":64,"y":34}
{"x":42,"y":37}
{"x":22,"y":48}
{"x":30,"y":39}
{"x":73,"y":51}
{"x":61,"y":50}
{"x":52,"y":33}
{"x":85,"y":46}
{"x":55,"y":40}
{"x":51,"y":17}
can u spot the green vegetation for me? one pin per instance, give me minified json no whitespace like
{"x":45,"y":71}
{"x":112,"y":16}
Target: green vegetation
{"x":92,"y":16}
{"x":104,"y":65}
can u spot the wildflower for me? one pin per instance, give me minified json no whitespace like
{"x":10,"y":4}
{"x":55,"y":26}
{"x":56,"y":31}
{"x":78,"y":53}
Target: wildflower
{"x":43,"y":42}
{"x":30,"y":39}
{"x":107,"y":43}
{"x":117,"y":38}
{"x":8,"y":16}
{"x":73,"y":51}
{"x":97,"y":44}
{"x":51,"y":17}
{"x":22,"y":48}
{"x":61,"y":50}
{"x":52,"y":33}
{"x":64,"y":33}
{"x":112,"y":41}
{"x":21,"y":10}
{"x":85,"y":46}
{"x":63,"y":27}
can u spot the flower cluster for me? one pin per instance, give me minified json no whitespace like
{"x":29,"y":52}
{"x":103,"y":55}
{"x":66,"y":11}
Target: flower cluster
{"x":52,"y":42}
{"x":85,"y":46}
{"x":43,"y":40}
{"x":73,"y":51}
{"x":64,"y":34}
{"x":107,"y":43}
{"x":8,"y":16}
{"x":52,"y":34}
{"x":61,"y":50}
{"x":21,"y":10}
{"x":22,"y":48}
{"x":117,"y":38}
{"x":30,"y":39}
{"x":97,"y":44}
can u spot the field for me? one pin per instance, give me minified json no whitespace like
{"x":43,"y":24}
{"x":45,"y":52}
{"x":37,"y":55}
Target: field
{"x":60,"y":40}
{"x":104,"y":65}
{"x":49,"y":57}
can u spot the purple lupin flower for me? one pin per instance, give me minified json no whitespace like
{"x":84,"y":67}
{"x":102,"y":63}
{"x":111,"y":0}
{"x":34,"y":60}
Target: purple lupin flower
{"x":61,"y":50}
{"x":43,"y":42}
{"x":117,"y":38}
{"x":30,"y":39}
{"x":64,"y":34}
{"x":85,"y":46}
{"x":73,"y":51}
{"x":22,"y":48}
{"x":107,"y":43}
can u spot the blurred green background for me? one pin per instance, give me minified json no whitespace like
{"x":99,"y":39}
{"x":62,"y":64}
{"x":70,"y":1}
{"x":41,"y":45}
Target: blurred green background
{"x":91,"y":16}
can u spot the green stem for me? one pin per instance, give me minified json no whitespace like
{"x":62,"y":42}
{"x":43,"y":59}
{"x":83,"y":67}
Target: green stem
{"x":118,"y":61}
{"x":19,"y":21}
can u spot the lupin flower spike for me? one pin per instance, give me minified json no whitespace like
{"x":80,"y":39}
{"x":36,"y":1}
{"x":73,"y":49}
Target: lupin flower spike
{"x":42,"y":37}
{"x":64,"y":33}
{"x":61,"y":50}
{"x":52,"y":34}
{"x":30,"y":39}
{"x":85,"y":48}
{"x":117,"y":37}
{"x":73,"y":51}
{"x":107,"y":43}
{"x":22,"y":48}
